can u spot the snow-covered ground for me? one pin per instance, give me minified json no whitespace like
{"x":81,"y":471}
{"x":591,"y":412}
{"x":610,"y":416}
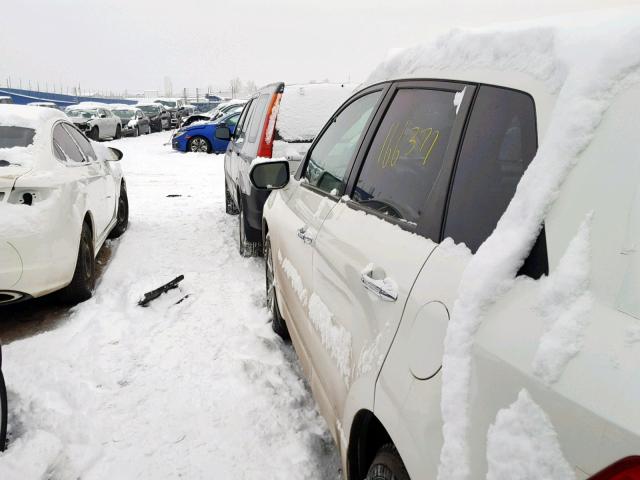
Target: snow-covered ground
{"x":197,"y":389}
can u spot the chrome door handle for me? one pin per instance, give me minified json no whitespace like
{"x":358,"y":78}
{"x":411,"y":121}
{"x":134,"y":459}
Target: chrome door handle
{"x":386,"y":289}
{"x":302,"y":235}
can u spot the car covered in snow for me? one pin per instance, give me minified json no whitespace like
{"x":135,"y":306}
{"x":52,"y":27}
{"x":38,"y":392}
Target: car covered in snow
{"x":277,"y":121}
{"x":95,"y":121}
{"x":134,"y":121}
{"x":43,"y":104}
{"x":61,"y":197}
{"x":201,"y":136}
{"x":456,"y":260}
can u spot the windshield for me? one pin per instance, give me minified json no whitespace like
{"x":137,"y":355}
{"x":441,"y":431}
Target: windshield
{"x":168,"y":103}
{"x":149,"y":109}
{"x":82,"y":113}
{"x":124,"y":113}
{"x":11,"y":137}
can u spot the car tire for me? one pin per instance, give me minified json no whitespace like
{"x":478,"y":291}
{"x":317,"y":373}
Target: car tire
{"x":123,"y":214}
{"x":136,"y":132}
{"x":245,"y":246}
{"x":94,"y":134}
{"x":199,"y":144}
{"x":118,"y":132}
{"x":277,"y":322}
{"x":230,"y":206}
{"x":387,"y":465}
{"x":84,"y":275}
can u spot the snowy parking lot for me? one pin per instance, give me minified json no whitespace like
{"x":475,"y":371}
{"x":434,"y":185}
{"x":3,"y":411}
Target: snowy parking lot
{"x":196,"y":385}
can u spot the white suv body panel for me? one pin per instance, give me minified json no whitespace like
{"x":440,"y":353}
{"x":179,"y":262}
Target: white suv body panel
{"x":593,"y":406}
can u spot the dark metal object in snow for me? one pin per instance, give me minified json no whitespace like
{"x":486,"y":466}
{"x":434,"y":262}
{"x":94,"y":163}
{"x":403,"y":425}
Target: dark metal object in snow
{"x":153,"y":294}
{"x":3,"y":409}
{"x":173,"y":195}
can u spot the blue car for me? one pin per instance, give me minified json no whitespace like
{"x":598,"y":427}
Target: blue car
{"x":201,"y":136}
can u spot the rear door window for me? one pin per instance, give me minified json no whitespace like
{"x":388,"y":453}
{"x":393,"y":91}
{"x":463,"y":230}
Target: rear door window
{"x":64,"y":146}
{"x":256,"y":120}
{"x":407,"y":153}
{"x":499,"y":143}
{"x":328,"y":161}
{"x":245,"y":119}
{"x":82,"y":142}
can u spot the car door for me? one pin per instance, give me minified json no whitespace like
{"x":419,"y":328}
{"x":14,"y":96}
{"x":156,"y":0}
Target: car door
{"x":87,"y":174}
{"x":232,"y":156}
{"x":371,"y":247}
{"x":103,"y":167}
{"x":296,"y":222}
{"x":500,"y":141}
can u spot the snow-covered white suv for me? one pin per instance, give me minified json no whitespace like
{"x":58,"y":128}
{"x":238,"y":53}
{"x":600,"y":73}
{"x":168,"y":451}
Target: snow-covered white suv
{"x":61,"y":196}
{"x":462,"y":309}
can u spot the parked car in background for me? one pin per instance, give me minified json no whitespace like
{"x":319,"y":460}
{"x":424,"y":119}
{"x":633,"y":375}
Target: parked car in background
{"x":61,"y":197}
{"x":97,"y":123}
{"x":277,"y":121}
{"x":200,"y":136}
{"x":134,"y":121}
{"x":5,"y":100}
{"x":158,"y":119}
{"x":175,"y":107}
{"x":227,"y":107}
{"x":213,"y":114}
{"x":367,"y":244}
{"x":43,"y":104}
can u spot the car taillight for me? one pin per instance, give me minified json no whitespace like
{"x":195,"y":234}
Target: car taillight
{"x":625,"y":469}
{"x":266,"y":140}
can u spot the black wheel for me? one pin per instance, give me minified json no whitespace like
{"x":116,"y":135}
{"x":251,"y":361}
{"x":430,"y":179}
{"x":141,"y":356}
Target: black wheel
{"x":387,"y":465}
{"x":277,"y":322}
{"x":136,"y":132}
{"x":230,"y":207}
{"x":3,"y":409}
{"x":246,"y":247}
{"x":123,"y":214}
{"x":94,"y":134}
{"x":199,"y":144}
{"x":84,"y":276}
{"x":118,"y":132}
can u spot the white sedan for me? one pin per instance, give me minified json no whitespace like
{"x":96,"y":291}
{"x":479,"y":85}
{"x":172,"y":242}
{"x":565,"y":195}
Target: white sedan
{"x":61,"y":197}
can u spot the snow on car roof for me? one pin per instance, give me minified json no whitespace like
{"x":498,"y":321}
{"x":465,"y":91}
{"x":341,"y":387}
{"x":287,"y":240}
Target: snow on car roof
{"x":122,"y":106}
{"x":304,"y":109}
{"x":28,"y":116}
{"x":87,"y":105}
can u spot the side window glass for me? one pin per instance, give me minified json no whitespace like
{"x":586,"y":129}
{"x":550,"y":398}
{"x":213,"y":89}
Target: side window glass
{"x":63,"y":144}
{"x":82,"y":142}
{"x":232,"y":121}
{"x":327,"y":163}
{"x":256,"y":119}
{"x":407,"y":153}
{"x":499,"y":144}
{"x":247,"y":114}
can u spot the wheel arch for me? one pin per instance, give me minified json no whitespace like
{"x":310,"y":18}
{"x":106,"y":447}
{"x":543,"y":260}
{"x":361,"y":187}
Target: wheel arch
{"x":366,"y":436}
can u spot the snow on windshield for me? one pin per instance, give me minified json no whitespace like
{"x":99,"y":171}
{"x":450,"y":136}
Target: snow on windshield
{"x":304,"y":109}
{"x":584,"y":68}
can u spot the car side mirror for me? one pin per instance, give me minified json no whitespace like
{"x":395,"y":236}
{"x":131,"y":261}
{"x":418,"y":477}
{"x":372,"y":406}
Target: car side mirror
{"x":269,"y":175}
{"x":223,"y":133}
{"x":117,"y":154}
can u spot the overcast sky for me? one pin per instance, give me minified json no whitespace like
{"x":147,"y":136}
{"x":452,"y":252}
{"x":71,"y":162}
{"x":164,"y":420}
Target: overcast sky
{"x":134,"y":44}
